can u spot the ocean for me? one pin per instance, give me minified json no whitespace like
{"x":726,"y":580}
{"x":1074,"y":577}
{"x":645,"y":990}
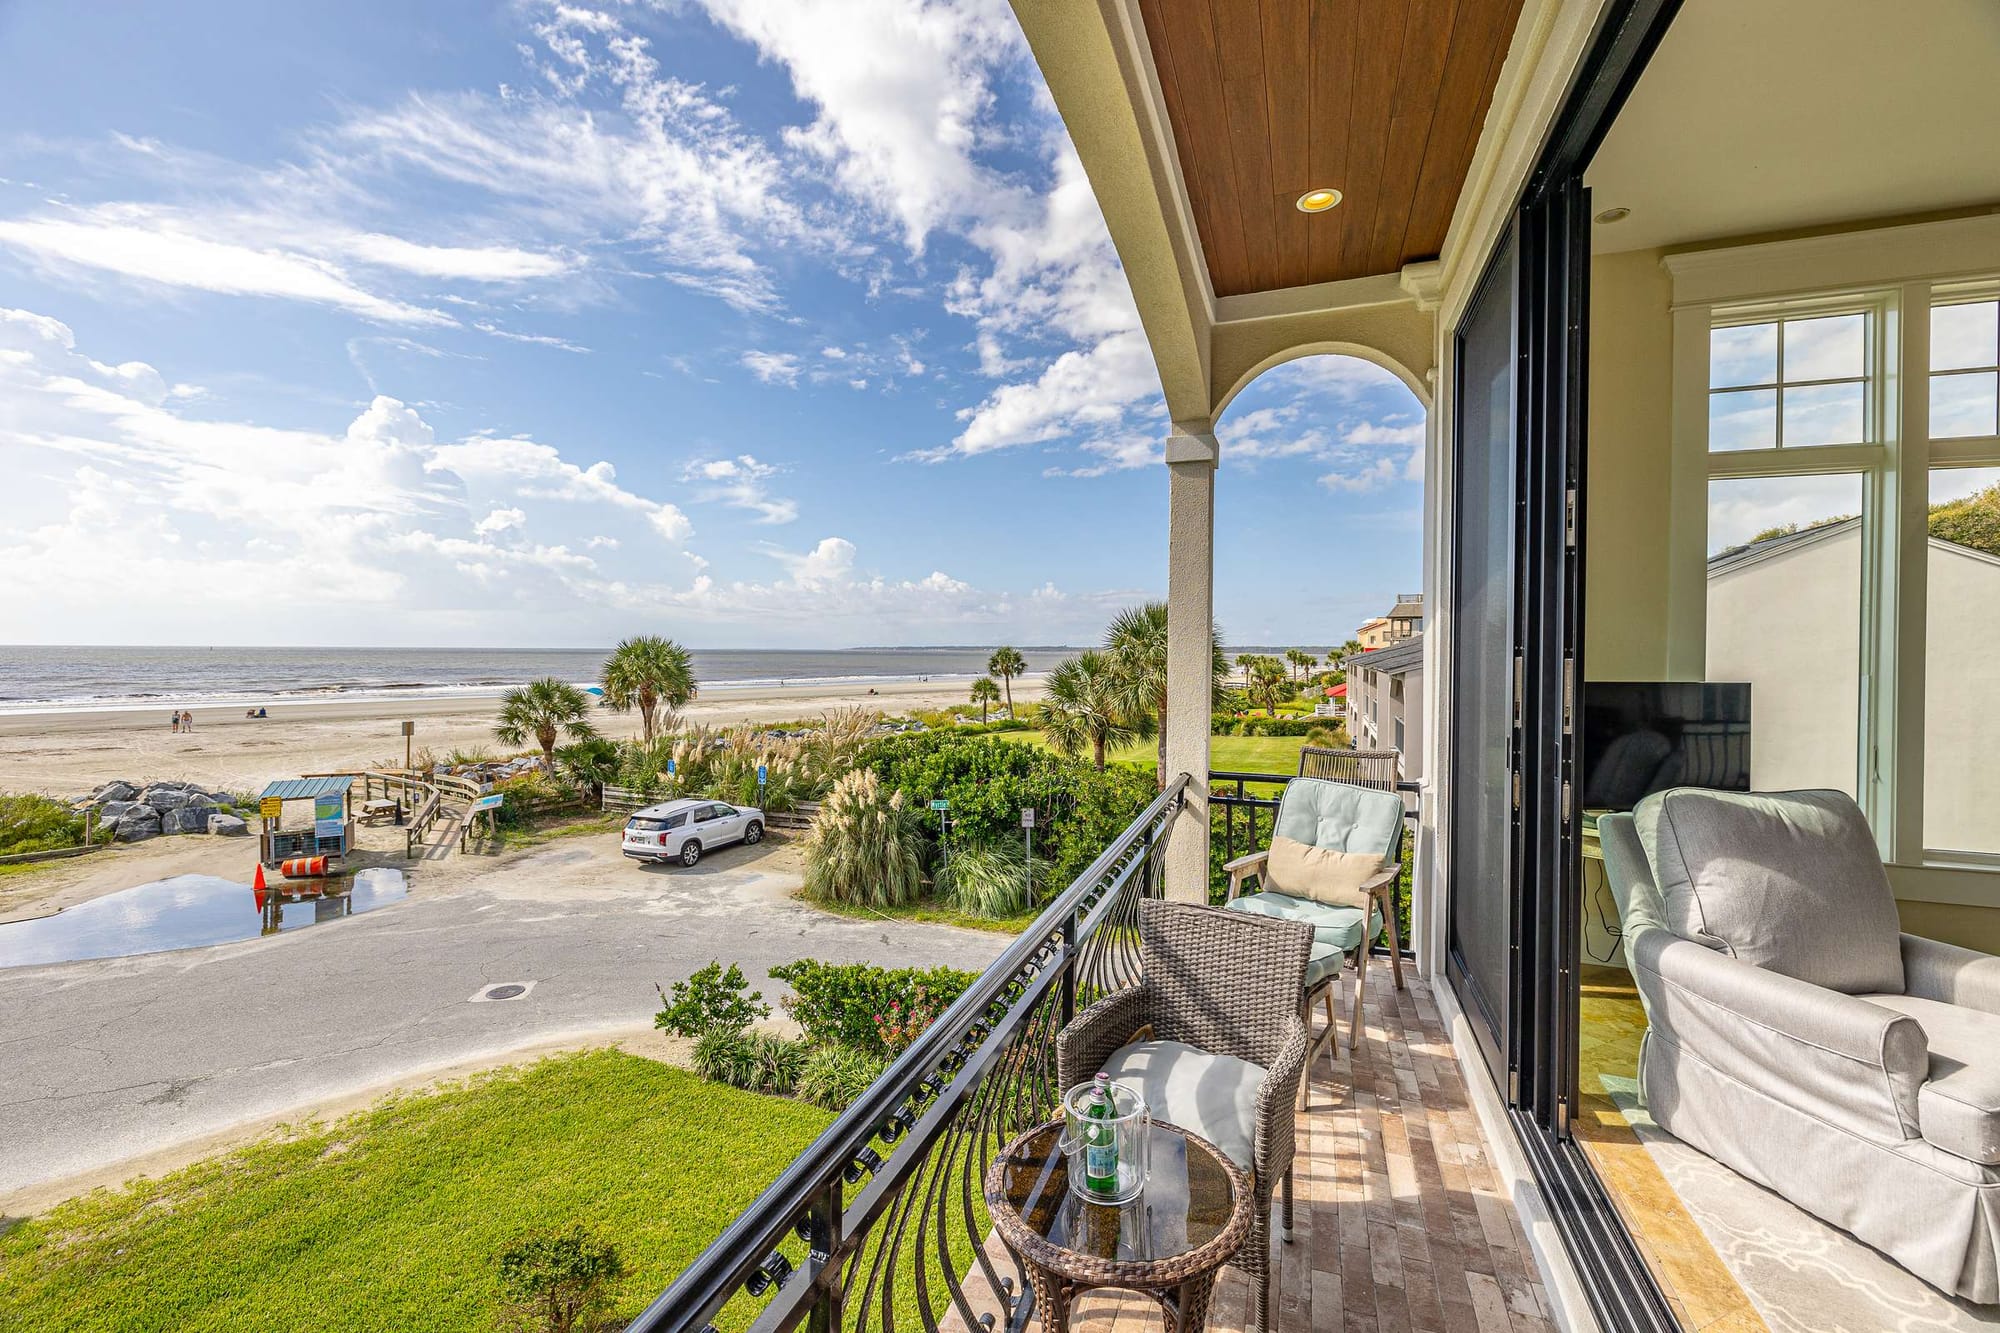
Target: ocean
{"x":47,"y":679}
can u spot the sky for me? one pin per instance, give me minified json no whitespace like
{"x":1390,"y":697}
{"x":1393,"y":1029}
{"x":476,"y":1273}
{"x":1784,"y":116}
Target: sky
{"x":760,"y":323}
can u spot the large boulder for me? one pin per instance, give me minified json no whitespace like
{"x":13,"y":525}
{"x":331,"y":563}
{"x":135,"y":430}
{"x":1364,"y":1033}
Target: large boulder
{"x":138,"y":824}
{"x":190,"y":818}
{"x":165,"y":796}
{"x":113,"y":791}
{"x":227,"y":826}
{"x":111,"y":811}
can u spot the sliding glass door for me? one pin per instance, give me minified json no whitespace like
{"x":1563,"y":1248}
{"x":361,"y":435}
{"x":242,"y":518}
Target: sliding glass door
{"x":1484,"y":660}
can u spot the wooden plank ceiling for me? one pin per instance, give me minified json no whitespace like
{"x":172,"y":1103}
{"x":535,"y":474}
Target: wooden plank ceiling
{"x":1380,"y":99}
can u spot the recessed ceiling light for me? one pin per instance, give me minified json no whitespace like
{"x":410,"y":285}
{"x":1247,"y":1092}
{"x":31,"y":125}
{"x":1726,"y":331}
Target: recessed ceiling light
{"x":1614,"y":215}
{"x":1318,"y":201}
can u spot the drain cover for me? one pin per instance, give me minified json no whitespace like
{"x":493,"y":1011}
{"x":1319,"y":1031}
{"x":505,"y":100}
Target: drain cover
{"x":506,"y":990}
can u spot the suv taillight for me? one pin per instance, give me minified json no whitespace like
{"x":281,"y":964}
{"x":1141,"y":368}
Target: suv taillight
{"x":663,"y":840}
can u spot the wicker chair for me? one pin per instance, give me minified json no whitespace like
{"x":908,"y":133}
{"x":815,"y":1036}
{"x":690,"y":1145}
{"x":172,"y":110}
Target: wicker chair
{"x":1212,"y":1039}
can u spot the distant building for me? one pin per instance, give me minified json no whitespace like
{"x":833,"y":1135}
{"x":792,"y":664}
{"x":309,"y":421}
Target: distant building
{"x":1404,"y":621}
{"x":1785,"y":615}
{"x":1385,"y":701}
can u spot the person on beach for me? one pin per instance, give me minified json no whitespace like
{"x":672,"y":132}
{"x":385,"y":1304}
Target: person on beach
{"x":176,"y":723}
{"x":187,"y":720}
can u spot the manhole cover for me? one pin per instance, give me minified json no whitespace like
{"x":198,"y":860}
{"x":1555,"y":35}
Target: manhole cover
{"x":506,"y":990}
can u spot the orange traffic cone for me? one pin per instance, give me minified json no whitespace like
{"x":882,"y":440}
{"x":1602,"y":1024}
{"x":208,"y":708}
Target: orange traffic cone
{"x":258,"y":883}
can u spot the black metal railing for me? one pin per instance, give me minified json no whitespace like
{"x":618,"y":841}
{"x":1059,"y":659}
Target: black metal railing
{"x":881,"y":1222}
{"x":1252,"y":793}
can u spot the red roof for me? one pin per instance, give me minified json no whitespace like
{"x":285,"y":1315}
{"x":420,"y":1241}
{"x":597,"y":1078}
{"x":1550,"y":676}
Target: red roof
{"x":1337,"y":692}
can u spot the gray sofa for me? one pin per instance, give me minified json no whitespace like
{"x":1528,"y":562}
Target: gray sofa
{"x":1796,"y":1036}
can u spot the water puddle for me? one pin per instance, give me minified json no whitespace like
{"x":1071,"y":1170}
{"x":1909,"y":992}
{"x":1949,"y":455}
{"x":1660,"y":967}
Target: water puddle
{"x":188,"y":911}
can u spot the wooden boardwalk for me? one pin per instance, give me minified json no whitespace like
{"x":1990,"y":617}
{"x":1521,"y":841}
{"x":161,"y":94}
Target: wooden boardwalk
{"x":1401,"y":1225}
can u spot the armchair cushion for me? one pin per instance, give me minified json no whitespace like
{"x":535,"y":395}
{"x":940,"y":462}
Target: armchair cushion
{"x":1341,"y":817}
{"x":1788,"y":881}
{"x":1215,"y":1096}
{"x":1958,"y":1109}
{"x":1335,"y":928}
{"x":1934,"y":970}
{"x":1323,"y":874}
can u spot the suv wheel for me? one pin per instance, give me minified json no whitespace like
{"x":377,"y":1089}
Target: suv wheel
{"x":753,"y":834}
{"x":690,"y":852}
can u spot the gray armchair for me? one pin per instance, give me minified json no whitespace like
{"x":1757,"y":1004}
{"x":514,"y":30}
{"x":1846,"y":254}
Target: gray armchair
{"x":1796,"y":1036}
{"x":1212,"y":1040}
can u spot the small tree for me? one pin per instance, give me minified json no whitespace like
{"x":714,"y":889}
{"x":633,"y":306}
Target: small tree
{"x":1007,"y":663}
{"x":985,"y":693}
{"x":645,"y":673}
{"x":559,"y":1281}
{"x":1084,"y":709}
{"x":1267,"y":683}
{"x":544,"y":709}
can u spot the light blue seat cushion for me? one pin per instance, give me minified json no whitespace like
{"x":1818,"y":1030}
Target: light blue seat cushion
{"x":1341,"y":817}
{"x":1334,"y":928}
{"x":1215,"y":1096}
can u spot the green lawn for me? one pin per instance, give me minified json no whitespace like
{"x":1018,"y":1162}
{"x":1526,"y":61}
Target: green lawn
{"x":1241,"y":754}
{"x":389,"y":1219}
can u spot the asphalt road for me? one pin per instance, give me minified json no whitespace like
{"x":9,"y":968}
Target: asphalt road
{"x":106,"y":1060}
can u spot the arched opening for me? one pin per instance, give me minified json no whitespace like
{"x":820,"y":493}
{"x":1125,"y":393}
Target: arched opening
{"x":1319,"y":571}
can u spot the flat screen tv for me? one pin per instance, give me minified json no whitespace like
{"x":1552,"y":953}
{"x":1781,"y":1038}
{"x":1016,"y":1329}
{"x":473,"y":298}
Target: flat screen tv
{"x":1646,"y":736}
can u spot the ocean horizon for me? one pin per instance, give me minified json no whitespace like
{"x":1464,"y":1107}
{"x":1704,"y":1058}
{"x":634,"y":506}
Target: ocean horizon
{"x":41,"y":678}
{"x":54,"y":678}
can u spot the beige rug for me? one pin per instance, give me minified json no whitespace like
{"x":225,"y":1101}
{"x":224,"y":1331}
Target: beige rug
{"x":1802,"y":1275}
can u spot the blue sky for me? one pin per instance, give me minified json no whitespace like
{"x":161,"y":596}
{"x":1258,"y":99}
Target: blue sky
{"x":755,"y":322}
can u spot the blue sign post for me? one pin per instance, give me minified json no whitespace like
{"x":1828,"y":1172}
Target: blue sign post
{"x":762,"y":772}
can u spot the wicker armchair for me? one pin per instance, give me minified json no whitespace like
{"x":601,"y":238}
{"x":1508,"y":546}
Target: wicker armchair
{"x":1212,"y":1039}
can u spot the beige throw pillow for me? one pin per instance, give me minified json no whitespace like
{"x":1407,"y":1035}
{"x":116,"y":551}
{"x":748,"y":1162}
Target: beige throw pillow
{"x":1299,"y":870}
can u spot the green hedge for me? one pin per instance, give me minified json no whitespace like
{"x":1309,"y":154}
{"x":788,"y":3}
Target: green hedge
{"x":837,"y":1003}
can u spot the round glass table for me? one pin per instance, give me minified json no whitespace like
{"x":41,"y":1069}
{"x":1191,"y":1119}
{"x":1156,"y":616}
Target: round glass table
{"x":1168,"y":1243}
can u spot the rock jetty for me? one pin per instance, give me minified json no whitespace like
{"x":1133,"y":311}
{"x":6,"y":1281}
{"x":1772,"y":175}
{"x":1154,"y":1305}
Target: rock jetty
{"x":134,"y":813}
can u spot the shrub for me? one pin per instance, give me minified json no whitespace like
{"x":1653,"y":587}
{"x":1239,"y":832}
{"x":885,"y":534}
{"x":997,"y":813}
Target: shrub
{"x":864,"y":847}
{"x":30,"y":823}
{"x":711,"y":1000}
{"x":559,"y":1281}
{"x":1330,"y":740}
{"x":1279,"y":726}
{"x":991,"y":882}
{"x":988,"y":782}
{"x":465,"y":757}
{"x":753,"y":1061}
{"x":833,"y":1076}
{"x":837,"y":1003}
{"x":531,"y":794}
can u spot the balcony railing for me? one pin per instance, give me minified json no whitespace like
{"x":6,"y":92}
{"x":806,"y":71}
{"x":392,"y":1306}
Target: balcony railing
{"x":881,"y":1222}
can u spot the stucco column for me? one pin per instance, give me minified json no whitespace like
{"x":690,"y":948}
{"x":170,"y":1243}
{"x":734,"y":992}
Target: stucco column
{"x":1191,"y":458}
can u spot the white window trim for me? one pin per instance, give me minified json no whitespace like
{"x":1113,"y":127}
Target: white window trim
{"x":1895,"y":271}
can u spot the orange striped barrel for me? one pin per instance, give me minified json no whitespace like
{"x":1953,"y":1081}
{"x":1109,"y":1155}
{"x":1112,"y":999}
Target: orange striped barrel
{"x":303,"y":867}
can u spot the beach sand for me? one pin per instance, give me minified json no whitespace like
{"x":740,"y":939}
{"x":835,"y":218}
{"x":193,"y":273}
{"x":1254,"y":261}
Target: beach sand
{"x":68,"y":754}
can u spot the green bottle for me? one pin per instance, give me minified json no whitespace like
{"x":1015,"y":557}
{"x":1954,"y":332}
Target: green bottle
{"x":1100,"y":1141}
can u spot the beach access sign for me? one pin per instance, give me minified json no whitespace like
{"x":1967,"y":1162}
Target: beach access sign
{"x":940,"y":805}
{"x":328,"y":812}
{"x":271,"y":807}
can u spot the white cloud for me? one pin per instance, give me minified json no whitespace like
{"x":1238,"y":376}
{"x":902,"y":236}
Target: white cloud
{"x":539,"y":471}
{"x":537,"y":339}
{"x":772,"y":367}
{"x":174,"y":259}
{"x":499,"y":521}
{"x":740,"y":483}
{"x":1089,"y":389}
{"x":903,"y":92}
{"x":489,"y":263}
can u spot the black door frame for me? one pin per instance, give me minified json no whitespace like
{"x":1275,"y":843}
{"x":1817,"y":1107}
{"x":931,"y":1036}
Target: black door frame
{"x":1551,"y":229}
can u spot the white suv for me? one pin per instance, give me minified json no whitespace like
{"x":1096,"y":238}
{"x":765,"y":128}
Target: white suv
{"x":682,"y":830}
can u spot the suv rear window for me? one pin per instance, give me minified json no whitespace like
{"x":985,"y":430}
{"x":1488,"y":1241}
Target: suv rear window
{"x":657,"y":825}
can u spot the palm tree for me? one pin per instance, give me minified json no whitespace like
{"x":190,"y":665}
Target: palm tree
{"x":1267,"y":681}
{"x":544,"y":709}
{"x":1246,"y":661}
{"x":1301,"y":661}
{"x":985,"y":693}
{"x":1081,"y":708}
{"x":648,"y":671}
{"x":1136,"y":643}
{"x":1007,"y":663}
